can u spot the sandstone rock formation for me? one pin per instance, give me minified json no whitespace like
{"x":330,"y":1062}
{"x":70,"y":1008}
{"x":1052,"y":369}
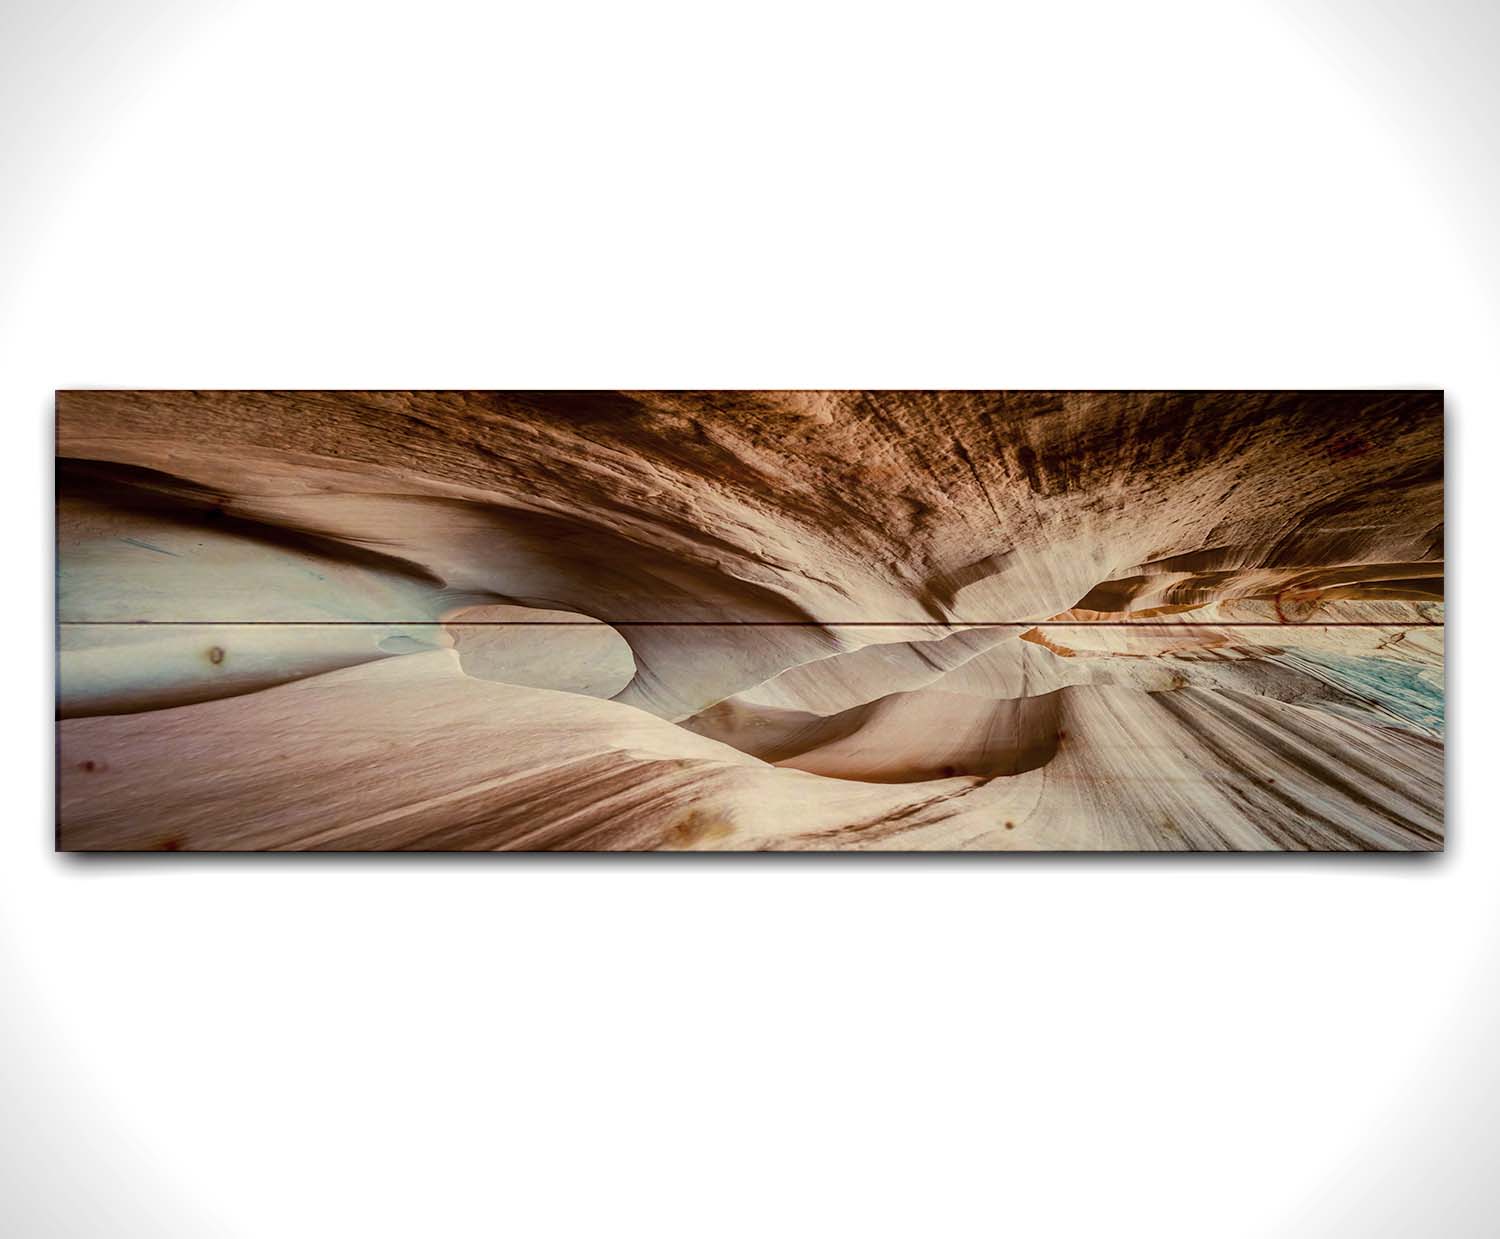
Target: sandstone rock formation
{"x":750,"y":620}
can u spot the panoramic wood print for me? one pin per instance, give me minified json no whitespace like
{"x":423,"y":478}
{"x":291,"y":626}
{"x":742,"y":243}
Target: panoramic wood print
{"x":750,"y":620}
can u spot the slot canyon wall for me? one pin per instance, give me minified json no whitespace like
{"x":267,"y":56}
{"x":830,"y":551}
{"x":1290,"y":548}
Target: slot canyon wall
{"x":750,"y":620}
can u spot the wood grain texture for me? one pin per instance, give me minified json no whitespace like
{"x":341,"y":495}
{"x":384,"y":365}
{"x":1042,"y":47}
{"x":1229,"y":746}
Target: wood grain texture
{"x":750,"y":620}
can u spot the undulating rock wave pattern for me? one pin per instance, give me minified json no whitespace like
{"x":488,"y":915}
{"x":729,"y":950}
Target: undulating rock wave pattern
{"x":750,"y":620}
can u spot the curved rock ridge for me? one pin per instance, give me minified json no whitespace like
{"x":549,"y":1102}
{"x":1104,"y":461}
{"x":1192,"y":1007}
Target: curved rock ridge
{"x":794,"y":619}
{"x":960,"y":735}
{"x":995,"y":712}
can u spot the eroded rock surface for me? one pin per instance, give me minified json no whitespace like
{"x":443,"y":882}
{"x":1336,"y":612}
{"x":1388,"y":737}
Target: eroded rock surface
{"x":750,"y":620}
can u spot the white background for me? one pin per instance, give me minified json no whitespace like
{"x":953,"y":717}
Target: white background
{"x":773,"y":194}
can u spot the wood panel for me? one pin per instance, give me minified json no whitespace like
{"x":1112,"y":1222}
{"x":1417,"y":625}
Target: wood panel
{"x":774,"y":507}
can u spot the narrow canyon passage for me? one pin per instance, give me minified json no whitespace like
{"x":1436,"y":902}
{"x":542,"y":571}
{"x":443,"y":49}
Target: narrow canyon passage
{"x":750,"y":620}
